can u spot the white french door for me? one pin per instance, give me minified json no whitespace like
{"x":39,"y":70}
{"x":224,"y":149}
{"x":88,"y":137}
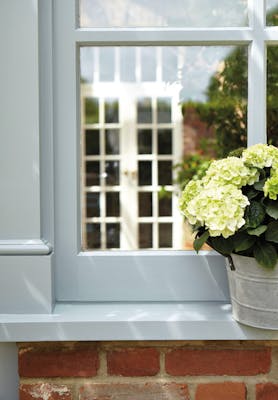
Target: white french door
{"x":131,"y":138}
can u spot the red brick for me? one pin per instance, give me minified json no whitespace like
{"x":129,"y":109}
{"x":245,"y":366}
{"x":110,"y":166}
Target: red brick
{"x":266,"y":391}
{"x":44,"y":391}
{"x":63,"y":362}
{"x":133,"y":362}
{"x":180,"y":362}
{"x":147,"y":391}
{"x":221,"y":391}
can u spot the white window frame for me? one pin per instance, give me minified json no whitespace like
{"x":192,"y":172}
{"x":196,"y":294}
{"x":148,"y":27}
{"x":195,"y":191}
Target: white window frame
{"x":141,"y":275}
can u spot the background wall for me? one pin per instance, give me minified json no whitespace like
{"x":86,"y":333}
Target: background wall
{"x":210,"y":370}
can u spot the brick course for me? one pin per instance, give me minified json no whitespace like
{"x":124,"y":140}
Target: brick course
{"x":181,"y":370}
{"x":180,"y":362}
{"x":221,"y":391}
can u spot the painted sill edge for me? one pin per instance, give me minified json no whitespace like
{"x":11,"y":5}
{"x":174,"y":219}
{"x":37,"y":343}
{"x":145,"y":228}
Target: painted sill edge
{"x":25,"y":247}
{"x":112,"y":321}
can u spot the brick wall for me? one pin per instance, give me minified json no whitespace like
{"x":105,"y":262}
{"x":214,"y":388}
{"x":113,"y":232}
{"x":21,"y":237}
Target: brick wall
{"x":149,"y":370}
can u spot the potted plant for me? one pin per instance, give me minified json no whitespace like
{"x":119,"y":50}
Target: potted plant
{"x":234,"y":209}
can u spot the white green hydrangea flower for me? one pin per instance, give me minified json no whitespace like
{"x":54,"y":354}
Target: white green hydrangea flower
{"x":260,"y":155}
{"x":271,"y":186}
{"x":191,"y":190}
{"x":231,"y":170}
{"x":219,"y":208}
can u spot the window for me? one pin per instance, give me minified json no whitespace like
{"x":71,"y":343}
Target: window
{"x":122,"y":77}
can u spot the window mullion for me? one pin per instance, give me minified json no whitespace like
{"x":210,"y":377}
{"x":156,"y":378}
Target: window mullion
{"x":257,"y":75}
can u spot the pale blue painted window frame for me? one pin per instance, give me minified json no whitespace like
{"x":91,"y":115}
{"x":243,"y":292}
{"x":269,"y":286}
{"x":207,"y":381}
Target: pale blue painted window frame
{"x":183,"y":296}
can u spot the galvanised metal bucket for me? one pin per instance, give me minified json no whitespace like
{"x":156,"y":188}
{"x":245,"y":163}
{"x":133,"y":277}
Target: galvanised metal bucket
{"x":254,"y":292}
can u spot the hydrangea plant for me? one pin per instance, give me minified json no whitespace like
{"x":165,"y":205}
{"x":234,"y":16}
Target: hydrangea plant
{"x":234,"y":207}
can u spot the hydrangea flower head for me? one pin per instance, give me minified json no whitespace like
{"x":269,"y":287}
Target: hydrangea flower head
{"x":271,"y":186}
{"x":260,"y":155}
{"x":219,"y":208}
{"x":231,"y":170}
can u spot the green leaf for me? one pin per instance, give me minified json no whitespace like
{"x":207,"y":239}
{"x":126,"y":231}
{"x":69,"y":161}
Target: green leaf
{"x":259,"y":185}
{"x":257,"y":231}
{"x":242,"y":241}
{"x":272,"y":232}
{"x":252,"y":193}
{"x":222,"y":245}
{"x":265,"y":254}
{"x":200,"y":241}
{"x":272,"y":208}
{"x":254,"y":214}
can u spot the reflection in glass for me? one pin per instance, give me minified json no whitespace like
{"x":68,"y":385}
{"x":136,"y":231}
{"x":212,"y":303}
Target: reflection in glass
{"x":164,"y":110}
{"x":165,"y":235}
{"x":157,"y":13}
{"x":164,"y":141}
{"x":112,"y":141}
{"x":148,"y":62}
{"x":112,"y":173}
{"x":165,"y":206}
{"x":171,"y":113}
{"x":272,"y":12}
{"x":144,"y":111}
{"x":91,"y":111}
{"x":92,"y":141}
{"x":111,"y":111}
{"x":144,"y":141}
{"x":145,"y":236}
{"x":145,"y":204}
{"x":112,"y":204}
{"x":165,"y":170}
{"x":113,"y":236}
{"x":107,"y":62}
{"x":93,"y":209}
{"x":145,"y":173}
{"x":272,"y":95}
{"x":93,"y":236}
{"x":127,"y":64}
{"x":92,"y":173}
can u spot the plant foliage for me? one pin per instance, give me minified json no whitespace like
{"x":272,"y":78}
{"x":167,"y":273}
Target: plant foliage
{"x":234,"y":206}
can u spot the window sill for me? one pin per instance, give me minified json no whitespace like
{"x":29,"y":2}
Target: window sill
{"x":135,"y":321}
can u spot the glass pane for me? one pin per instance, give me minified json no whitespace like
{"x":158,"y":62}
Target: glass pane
{"x":148,"y":64}
{"x":169,"y":64}
{"x":93,"y":236}
{"x":112,"y":172}
{"x":93,"y":209}
{"x":272,"y":12}
{"x":144,"y":141}
{"x":145,"y":173}
{"x":165,"y":205}
{"x":158,"y":13}
{"x":166,"y":129}
{"x":127,"y":64}
{"x":272,"y":95}
{"x":92,"y":173}
{"x":145,"y":236}
{"x":91,"y":111}
{"x":165,"y":235}
{"x":144,"y":111}
{"x":113,"y":236}
{"x":164,"y":141}
{"x":111,"y":111}
{"x":164,"y":110}
{"x":165,"y":170}
{"x":112,"y":141}
{"x":145,"y":204}
{"x":107,"y":62}
{"x":112,"y":204}
{"x":92,"y":142}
